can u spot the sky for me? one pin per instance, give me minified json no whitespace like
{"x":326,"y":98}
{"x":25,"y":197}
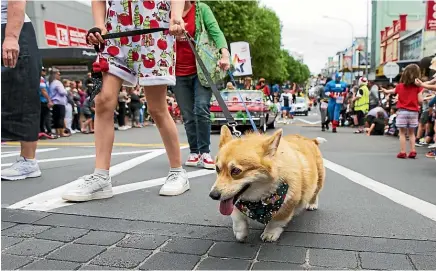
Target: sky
{"x":307,"y":32}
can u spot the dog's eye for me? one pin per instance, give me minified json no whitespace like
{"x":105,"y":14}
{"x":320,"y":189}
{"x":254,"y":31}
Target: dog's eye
{"x":217,"y":170}
{"x":235,"y":171}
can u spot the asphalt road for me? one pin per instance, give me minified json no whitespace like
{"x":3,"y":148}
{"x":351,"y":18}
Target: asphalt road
{"x":376,"y":212}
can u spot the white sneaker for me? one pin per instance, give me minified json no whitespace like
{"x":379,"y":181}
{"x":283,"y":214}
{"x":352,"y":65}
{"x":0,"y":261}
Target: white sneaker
{"x":20,"y":170}
{"x":176,"y":184}
{"x":206,"y":161}
{"x":89,"y":187}
{"x":432,"y":146}
{"x":193,"y":160}
{"x":123,"y":128}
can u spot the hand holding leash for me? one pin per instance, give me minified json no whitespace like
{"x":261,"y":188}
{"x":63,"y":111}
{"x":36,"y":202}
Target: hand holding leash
{"x":177,"y":27}
{"x":94,"y":37}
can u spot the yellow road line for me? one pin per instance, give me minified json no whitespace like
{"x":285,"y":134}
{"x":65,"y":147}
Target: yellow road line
{"x":78,"y":144}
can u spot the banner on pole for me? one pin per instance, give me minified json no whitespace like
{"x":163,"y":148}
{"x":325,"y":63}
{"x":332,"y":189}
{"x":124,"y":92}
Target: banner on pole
{"x":241,"y":58}
{"x":430,"y":18}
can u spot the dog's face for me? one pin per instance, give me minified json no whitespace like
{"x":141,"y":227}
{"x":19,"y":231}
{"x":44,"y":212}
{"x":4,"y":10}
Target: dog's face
{"x":245,"y":168}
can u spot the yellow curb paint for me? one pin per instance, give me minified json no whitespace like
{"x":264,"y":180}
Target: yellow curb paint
{"x":79,"y":144}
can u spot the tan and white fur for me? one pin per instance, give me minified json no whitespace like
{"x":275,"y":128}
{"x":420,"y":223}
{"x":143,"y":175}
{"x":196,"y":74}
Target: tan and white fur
{"x":260,"y":162}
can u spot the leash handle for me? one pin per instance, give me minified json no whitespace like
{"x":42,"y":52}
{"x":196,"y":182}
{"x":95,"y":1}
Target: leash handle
{"x":100,"y":47}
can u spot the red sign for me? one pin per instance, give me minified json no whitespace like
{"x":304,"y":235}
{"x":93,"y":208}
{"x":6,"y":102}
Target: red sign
{"x":60,"y":35}
{"x":430,"y":19}
{"x":389,"y":39}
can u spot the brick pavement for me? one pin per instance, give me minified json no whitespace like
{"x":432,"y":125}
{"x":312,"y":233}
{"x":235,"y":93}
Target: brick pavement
{"x":51,"y":241}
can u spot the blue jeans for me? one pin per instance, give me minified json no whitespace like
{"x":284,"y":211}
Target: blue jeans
{"x":334,"y":109}
{"x":141,"y":115}
{"x":194,"y":102}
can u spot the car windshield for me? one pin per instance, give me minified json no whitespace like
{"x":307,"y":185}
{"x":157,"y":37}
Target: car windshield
{"x":300,"y":100}
{"x":248,"y":96}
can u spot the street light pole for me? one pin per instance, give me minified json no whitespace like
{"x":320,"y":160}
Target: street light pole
{"x":368,"y":8}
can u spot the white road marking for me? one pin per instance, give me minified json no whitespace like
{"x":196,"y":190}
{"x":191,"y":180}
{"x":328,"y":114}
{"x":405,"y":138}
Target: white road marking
{"x":15,"y":153}
{"x":6,"y":152}
{"x":48,"y":200}
{"x":422,"y":207}
{"x":57,"y":202}
{"x":83,"y":157}
{"x":308,"y":122}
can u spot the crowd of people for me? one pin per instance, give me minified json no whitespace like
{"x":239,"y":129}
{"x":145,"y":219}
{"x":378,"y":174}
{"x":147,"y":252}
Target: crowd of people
{"x":66,"y":107}
{"x":405,"y":109}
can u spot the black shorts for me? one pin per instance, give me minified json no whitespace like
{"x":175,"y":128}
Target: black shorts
{"x":58,"y":116}
{"x":21,"y":106}
{"x":424,"y":118}
{"x":88,"y":116}
{"x":360,"y":117}
{"x":370,"y":119}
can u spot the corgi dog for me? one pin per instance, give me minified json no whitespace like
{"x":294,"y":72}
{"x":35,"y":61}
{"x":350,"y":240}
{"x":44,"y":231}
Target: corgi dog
{"x":268,"y":178}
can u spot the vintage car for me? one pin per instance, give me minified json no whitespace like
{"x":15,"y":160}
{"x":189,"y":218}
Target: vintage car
{"x":263,"y":112}
{"x":301,"y":106}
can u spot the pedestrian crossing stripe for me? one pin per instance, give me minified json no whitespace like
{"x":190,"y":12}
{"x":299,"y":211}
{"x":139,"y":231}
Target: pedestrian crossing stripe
{"x":80,"y":144}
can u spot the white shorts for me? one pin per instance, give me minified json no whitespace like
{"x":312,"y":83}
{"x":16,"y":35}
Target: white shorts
{"x":147,"y":59}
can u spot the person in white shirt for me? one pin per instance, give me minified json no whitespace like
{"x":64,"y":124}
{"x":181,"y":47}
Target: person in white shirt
{"x":286,"y":102}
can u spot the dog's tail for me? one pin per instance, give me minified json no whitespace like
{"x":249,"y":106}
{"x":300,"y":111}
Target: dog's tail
{"x":319,"y":140}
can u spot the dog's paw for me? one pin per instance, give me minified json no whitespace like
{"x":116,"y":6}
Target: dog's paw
{"x":241,"y":236}
{"x":271,"y":235}
{"x":312,"y":207}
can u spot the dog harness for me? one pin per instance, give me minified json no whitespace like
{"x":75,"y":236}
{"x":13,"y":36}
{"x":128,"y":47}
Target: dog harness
{"x":263,"y":210}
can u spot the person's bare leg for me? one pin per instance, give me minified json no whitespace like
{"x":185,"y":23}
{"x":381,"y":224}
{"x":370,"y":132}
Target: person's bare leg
{"x":412,"y":139}
{"x":28,"y":149}
{"x":105,"y":104}
{"x":403,"y":140}
{"x":158,"y":109}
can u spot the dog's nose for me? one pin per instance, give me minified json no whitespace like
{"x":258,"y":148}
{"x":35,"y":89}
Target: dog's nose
{"x":215,"y":195}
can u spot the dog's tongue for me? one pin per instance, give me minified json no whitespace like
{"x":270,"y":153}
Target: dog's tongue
{"x":226,"y":207}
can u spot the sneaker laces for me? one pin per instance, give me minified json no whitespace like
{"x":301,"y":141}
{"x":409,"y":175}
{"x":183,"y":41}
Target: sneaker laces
{"x":207,"y":157}
{"x":193,"y":156}
{"x":172,"y":176}
{"x":19,"y":164}
{"x":89,"y":180}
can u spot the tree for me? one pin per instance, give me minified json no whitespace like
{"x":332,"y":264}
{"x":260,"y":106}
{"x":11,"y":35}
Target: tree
{"x":261,"y":28}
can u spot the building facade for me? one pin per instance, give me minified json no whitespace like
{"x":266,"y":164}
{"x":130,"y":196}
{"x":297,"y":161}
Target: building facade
{"x":384,"y":13}
{"x":61,"y":28}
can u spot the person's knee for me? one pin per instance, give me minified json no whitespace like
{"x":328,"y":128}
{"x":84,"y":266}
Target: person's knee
{"x":158,"y":113}
{"x":202,"y":110}
{"x":105,"y":104}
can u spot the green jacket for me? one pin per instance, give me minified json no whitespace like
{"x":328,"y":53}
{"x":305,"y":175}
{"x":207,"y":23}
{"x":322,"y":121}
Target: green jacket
{"x":205,"y":14}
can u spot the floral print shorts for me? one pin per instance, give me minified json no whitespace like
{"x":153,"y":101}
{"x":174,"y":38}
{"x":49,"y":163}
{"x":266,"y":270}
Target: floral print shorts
{"x":148,"y":58}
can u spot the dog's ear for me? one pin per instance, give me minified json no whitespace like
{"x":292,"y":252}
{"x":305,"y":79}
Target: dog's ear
{"x":272,"y":143}
{"x":226,"y":135}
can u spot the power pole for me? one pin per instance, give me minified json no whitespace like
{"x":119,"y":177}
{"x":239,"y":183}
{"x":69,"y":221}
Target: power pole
{"x":367,"y":37}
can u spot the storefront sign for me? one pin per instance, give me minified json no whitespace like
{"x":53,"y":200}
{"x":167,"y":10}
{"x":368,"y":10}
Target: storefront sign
{"x":72,"y":68}
{"x":89,"y":53}
{"x":389,"y":40}
{"x":430,"y":19}
{"x":60,"y":35}
{"x":411,"y":47}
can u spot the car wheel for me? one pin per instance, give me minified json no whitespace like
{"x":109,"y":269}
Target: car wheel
{"x":263,"y":126}
{"x":306,"y":113}
{"x":272,"y":125}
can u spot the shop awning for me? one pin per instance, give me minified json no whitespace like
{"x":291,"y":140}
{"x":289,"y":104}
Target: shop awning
{"x":80,"y":54}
